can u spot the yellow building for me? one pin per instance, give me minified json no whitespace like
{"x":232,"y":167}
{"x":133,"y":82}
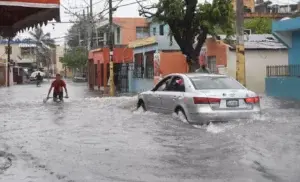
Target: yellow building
{"x":248,"y":3}
{"x":59,"y":54}
{"x":60,"y":51}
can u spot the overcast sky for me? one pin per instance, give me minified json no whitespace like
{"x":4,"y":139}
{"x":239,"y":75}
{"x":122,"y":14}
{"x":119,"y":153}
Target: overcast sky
{"x":68,"y":7}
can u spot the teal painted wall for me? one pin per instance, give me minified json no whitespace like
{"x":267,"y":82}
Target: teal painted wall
{"x":137,"y":85}
{"x":294,"y":51}
{"x":288,"y":32}
{"x":141,"y":85}
{"x":286,"y":25}
{"x":284,"y":87}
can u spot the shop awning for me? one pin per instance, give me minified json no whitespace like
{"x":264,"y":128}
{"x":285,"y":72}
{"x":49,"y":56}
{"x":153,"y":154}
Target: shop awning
{"x":19,"y":15}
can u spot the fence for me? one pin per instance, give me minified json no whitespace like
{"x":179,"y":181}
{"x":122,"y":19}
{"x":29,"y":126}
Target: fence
{"x":283,"y":70}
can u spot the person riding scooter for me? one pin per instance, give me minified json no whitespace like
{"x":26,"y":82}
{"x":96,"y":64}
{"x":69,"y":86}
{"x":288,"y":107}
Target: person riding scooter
{"x":39,"y":79}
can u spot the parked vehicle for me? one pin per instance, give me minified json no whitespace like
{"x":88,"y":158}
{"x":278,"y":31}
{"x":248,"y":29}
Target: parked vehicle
{"x":201,"y":98}
{"x":79,"y":79}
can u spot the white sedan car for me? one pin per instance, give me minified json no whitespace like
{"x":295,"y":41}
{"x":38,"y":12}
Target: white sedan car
{"x":201,"y":98}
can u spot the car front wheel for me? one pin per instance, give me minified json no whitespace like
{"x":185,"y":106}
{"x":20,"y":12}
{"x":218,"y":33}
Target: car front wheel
{"x":181,"y":115}
{"x":141,"y":104}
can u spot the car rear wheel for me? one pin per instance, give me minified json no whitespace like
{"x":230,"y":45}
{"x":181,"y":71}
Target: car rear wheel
{"x":141,"y":104}
{"x":181,"y":115}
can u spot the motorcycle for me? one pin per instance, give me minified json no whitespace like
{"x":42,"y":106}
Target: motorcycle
{"x":38,"y":83}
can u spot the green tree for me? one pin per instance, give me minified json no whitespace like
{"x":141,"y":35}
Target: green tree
{"x":44,"y":44}
{"x":75,"y":58}
{"x":189,"y":21}
{"x":259,"y":25}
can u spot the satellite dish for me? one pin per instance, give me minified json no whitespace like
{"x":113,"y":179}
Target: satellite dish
{"x":285,"y":18}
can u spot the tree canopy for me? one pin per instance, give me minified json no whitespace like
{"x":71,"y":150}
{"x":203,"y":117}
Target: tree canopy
{"x":190,"y":22}
{"x":259,"y":25}
{"x":77,"y":55}
{"x":75,"y":58}
{"x":44,"y":44}
{"x":77,"y":30}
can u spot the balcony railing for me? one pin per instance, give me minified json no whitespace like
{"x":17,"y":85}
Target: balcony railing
{"x":283,"y":71}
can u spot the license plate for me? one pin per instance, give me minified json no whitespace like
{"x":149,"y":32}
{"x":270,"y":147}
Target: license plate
{"x":232,"y":103}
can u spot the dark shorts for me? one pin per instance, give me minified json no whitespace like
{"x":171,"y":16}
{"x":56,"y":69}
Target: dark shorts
{"x":58,"y":95}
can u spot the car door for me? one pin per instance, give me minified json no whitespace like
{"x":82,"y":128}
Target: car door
{"x":172,"y":96}
{"x":154,"y":99}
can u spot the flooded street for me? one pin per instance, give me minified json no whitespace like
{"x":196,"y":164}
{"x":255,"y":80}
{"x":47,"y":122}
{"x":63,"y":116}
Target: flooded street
{"x":90,"y":139}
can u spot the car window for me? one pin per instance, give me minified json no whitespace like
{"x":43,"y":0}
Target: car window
{"x":177,"y":85}
{"x":206,"y":82}
{"x":163,"y":84}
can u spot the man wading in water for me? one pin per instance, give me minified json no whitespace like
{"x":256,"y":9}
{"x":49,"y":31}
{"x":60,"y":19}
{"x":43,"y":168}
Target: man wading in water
{"x":58,"y":84}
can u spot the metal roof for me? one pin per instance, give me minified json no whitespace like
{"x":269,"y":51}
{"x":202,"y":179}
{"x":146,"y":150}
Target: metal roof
{"x":259,"y":42}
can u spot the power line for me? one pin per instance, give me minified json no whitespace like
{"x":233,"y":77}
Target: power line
{"x":120,"y":1}
{"x":119,"y":6}
{"x":104,"y":10}
{"x":98,"y":2}
{"x":86,"y":2}
{"x":69,"y":10}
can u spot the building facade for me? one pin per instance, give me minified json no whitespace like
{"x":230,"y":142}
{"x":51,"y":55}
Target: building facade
{"x":155,"y":57}
{"x":261,"y":50}
{"x":125,"y":31}
{"x":22,"y":52}
{"x":284,"y":80}
{"x":59,"y":54}
{"x":23,"y":57}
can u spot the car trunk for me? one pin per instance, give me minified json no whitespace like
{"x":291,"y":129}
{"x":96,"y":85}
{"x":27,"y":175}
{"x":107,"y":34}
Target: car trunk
{"x":229,"y":99}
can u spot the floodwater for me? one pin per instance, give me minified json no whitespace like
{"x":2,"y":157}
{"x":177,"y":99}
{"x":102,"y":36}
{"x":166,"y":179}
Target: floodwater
{"x":93,"y":139}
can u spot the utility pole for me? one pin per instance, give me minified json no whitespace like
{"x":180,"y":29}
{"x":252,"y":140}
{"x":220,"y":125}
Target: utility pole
{"x":65,"y":67}
{"x":9,"y":50}
{"x":111,"y":49}
{"x":86,"y":25}
{"x":91,"y":23}
{"x":240,"y":49}
{"x":88,"y":29}
{"x":79,"y":37}
{"x":81,"y":22}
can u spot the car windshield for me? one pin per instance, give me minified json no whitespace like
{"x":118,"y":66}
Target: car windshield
{"x":205,"y":82}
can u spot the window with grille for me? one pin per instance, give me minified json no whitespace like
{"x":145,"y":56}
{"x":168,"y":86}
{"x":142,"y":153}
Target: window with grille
{"x":161,"y":29}
{"x":138,"y":71}
{"x":27,"y":51}
{"x":118,"y":35}
{"x":154,"y":30}
{"x":101,"y":38}
{"x":149,"y":70}
{"x":142,"y":32}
